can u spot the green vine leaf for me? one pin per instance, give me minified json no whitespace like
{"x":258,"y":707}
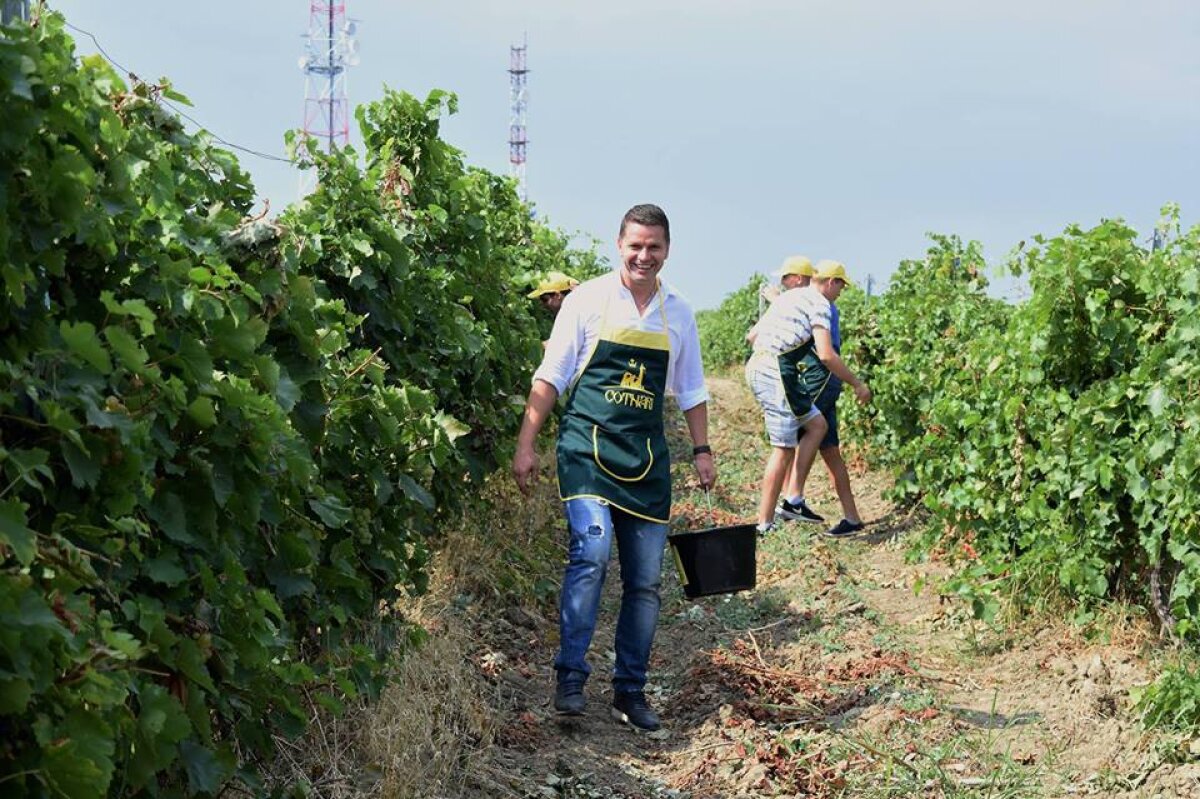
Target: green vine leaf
{"x":14,"y":533}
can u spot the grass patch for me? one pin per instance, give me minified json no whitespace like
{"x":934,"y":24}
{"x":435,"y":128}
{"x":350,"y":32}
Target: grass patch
{"x":428,"y":734}
{"x":431,"y":723}
{"x":507,"y":549}
{"x":747,"y":610}
{"x":958,"y":767}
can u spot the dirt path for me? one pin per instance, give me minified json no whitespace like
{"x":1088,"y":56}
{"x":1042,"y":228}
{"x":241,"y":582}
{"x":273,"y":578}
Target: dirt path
{"x":833,"y":678}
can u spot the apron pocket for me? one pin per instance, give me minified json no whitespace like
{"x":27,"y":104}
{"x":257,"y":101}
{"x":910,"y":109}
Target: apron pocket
{"x":622,"y":458}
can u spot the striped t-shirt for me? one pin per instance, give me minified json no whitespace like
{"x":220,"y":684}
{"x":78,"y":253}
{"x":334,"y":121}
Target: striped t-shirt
{"x":789,"y":321}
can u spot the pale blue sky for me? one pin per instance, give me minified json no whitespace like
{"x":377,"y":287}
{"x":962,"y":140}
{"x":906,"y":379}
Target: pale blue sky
{"x":839,"y":130}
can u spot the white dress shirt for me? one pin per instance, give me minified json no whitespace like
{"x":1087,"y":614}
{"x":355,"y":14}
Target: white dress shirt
{"x":577,"y":331}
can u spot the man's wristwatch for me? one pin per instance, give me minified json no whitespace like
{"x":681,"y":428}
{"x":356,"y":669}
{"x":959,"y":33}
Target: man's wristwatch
{"x":701,"y":450}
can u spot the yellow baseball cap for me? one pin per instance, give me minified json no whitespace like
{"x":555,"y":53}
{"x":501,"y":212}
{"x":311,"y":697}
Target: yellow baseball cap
{"x":832,"y":269}
{"x":796,"y":265}
{"x":554,"y":282}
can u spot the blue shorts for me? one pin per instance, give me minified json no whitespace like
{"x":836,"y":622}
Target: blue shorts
{"x":826,"y":403}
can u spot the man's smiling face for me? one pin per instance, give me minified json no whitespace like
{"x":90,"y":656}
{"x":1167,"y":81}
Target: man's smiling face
{"x":643,"y":250}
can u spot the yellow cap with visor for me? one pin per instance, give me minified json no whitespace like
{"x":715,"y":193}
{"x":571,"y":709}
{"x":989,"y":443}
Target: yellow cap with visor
{"x":554,"y":283}
{"x":833,"y":269}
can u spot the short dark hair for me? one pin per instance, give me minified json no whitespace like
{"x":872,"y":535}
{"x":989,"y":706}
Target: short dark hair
{"x":648,"y":215}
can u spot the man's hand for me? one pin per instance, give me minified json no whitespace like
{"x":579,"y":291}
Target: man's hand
{"x":862,"y":393}
{"x":706,"y":470}
{"x":524,"y":468}
{"x":539,"y":405}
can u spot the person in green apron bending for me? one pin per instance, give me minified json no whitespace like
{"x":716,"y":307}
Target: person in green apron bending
{"x":620,"y":344}
{"x":829,"y":280}
{"x":787,"y":372}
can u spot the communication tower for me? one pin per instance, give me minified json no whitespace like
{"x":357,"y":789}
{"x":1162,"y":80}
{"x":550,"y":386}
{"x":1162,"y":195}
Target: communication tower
{"x":330,"y":47}
{"x":519,"y":96}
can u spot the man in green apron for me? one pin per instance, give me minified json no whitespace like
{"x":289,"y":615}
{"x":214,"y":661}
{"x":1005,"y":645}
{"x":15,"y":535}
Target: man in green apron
{"x":620,"y":343}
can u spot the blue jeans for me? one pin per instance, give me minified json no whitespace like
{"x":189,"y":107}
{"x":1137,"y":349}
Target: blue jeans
{"x":593,"y":525}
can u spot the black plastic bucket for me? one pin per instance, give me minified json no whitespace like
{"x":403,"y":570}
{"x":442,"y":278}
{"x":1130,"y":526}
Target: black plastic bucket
{"x":719,"y":560}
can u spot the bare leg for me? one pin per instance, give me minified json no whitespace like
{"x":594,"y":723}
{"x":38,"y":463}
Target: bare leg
{"x":778,"y":465}
{"x":810,"y":441}
{"x":799,"y":474}
{"x":841,"y":481}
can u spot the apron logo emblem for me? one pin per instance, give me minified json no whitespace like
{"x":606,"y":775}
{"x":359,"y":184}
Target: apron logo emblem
{"x":631,"y":381}
{"x":631,"y":393}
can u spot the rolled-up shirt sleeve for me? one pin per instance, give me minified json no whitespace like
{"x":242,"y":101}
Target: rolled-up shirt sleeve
{"x":561,"y":357}
{"x":688,"y":383}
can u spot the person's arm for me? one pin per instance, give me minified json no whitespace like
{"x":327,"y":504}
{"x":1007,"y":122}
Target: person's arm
{"x":692,"y":395}
{"x":697,"y":422}
{"x":834,"y":363}
{"x":752,"y":334}
{"x":770,"y":292}
{"x":537,"y":408}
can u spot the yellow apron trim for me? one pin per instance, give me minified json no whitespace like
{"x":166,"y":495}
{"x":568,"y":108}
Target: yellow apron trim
{"x":615,"y":505}
{"x":638,"y":338}
{"x":588,"y":362}
{"x":821,"y":390}
{"x":801,"y":368}
{"x":614,"y":475}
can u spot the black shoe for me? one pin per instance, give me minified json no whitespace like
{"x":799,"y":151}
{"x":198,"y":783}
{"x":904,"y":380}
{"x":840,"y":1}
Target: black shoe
{"x":569,"y":699}
{"x":631,"y":708}
{"x":798,"y":512}
{"x":844,"y":528}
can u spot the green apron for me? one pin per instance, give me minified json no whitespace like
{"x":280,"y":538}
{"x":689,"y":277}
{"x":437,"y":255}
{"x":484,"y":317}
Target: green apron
{"x":803,"y":375}
{"x":611,"y":444}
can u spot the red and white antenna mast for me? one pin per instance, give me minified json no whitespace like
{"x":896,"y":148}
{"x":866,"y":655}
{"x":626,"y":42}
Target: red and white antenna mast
{"x":330,"y":47}
{"x":517,"y":73}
